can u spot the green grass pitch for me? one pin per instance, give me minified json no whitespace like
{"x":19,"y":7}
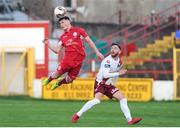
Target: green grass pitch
{"x":24,"y":111}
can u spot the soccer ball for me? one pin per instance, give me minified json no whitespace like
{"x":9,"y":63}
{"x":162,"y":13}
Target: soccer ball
{"x":59,"y":11}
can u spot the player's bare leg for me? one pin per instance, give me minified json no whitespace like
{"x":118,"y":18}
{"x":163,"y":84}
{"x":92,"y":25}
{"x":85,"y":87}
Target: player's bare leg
{"x":65,"y":80}
{"x":54,"y":75}
{"x":125,"y":109}
{"x":87,"y":106}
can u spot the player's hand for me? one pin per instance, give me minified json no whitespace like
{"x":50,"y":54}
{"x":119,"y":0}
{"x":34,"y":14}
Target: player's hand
{"x":100,"y":55}
{"x":45,"y":41}
{"x":122,"y":71}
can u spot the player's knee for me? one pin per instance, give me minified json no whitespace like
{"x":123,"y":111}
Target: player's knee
{"x":98,"y":101}
{"x":69,"y":79}
{"x":121,"y":97}
{"x":118,"y":95}
{"x":55,"y":75}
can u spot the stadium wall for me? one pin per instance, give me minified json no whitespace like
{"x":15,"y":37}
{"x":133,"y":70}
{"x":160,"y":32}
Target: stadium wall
{"x":163,"y":90}
{"x":27,"y":34}
{"x":37,"y":88}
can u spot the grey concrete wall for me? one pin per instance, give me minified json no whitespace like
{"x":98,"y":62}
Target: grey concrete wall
{"x":136,"y":10}
{"x":99,"y":11}
{"x":40,"y":8}
{"x":132,"y":11}
{"x":17,"y":86}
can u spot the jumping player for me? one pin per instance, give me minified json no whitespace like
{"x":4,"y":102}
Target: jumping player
{"x":72,"y":41}
{"x":105,"y":81}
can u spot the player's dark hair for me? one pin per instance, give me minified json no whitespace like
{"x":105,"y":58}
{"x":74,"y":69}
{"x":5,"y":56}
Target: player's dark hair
{"x":116,"y":45}
{"x":64,"y":18}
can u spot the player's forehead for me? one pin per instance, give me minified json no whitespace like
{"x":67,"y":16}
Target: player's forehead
{"x":62,"y":21}
{"x":115,"y":47}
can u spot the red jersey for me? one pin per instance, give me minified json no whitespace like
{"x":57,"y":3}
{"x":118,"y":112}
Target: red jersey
{"x":73,"y":44}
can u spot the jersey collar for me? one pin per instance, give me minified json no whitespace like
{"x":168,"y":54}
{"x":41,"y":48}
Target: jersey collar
{"x":114,"y":59}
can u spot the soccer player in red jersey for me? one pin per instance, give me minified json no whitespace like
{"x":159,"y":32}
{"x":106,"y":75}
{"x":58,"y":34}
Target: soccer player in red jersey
{"x":72,"y":42}
{"x":105,"y":82}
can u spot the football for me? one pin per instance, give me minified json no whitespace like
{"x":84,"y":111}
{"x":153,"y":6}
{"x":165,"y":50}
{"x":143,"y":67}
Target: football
{"x":59,"y":11}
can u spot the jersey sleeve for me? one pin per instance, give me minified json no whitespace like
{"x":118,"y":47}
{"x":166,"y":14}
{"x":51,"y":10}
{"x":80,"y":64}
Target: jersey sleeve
{"x":83,"y":33}
{"x":60,"y":42}
{"x":106,"y":70}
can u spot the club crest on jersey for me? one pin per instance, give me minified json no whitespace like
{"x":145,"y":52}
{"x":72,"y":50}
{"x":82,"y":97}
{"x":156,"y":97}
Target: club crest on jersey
{"x":108,"y":61}
{"x":74,"y":34}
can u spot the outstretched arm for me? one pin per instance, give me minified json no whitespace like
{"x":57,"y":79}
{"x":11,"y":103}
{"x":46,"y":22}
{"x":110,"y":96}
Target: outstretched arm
{"x":55,"y":49}
{"x":114,"y":74}
{"x":93,"y":46}
{"x":108,"y":74}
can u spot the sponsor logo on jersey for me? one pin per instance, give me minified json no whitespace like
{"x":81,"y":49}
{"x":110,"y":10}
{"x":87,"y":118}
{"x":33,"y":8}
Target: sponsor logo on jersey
{"x":107,"y":66}
{"x":68,"y":42}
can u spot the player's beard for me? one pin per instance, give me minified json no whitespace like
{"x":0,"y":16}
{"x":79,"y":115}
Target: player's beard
{"x":114,"y":55}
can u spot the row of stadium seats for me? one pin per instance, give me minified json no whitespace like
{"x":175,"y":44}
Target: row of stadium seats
{"x":151,"y":51}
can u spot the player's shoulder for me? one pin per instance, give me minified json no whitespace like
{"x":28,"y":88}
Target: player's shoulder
{"x":107,"y":59}
{"x":77,"y":28}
